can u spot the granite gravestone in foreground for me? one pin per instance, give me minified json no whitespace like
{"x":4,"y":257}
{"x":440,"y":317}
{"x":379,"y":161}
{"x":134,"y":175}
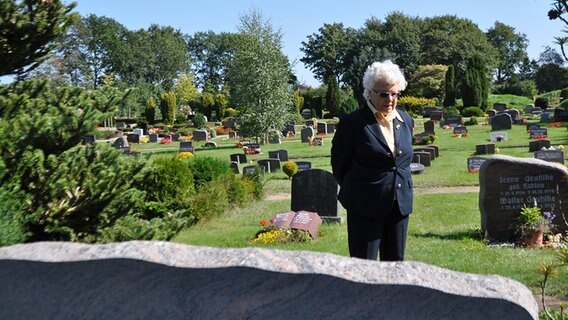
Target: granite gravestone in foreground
{"x":164,"y":280}
{"x":315,"y":190}
{"x":508,"y":183}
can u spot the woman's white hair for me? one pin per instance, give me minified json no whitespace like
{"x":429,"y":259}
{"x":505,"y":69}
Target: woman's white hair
{"x":385,"y":71}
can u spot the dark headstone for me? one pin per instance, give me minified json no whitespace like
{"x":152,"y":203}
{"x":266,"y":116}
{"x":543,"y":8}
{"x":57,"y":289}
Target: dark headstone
{"x":428,"y":149}
{"x":452,"y":121}
{"x":500,"y":107}
{"x":330,"y":128}
{"x":535,"y":145}
{"x":153,"y":137}
{"x":311,"y":123}
{"x":427,"y":111}
{"x":282,"y":155}
{"x":515,"y":115}
{"x":501,"y":121}
{"x":488,"y":148}
{"x":507,"y":184}
{"x":560,"y":115}
{"x":460,"y":130}
{"x":89,"y":139}
{"x":229,"y":124}
{"x":301,"y":220}
{"x":269,"y":165}
{"x":539,"y":133}
{"x":474,"y":163}
{"x":315,"y":190}
{"x":200,"y":135}
{"x":250,"y":170}
{"x":322,"y":128}
{"x":429,"y":127}
{"x":545,"y":116}
{"x":491,"y":113}
{"x":121,"y":125}
{"x":550,"y":155}
{"x":436,"y":149}
{"x":133,"y":138}
{"x":239,"y":158}
{"x":529,"y":108}
{"x":120,"y":142}
{"x":307,"y":134}
{"x":234,"y":167}
{"x":307,"y":114}
{"x":532,"y":126}
{"x":186,"y":146}
{"x":176,"y":136}
{"x":422,"y":157}
{"x":436,"y":115}
{"x":304,"y":165}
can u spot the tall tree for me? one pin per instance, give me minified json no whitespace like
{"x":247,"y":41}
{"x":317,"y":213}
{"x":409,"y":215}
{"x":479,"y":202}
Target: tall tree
{"x":450,"y":87}
{"x":511,"y":48}
{"x":28,"y":30}
{"x":559,"y":8}
{"x":210,"y":53}
{"x":402,"y":39}
{"x":258,"y":78}
{"x":475,"y":84}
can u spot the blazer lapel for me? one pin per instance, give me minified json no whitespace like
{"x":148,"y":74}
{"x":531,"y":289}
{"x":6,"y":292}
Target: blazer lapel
{"x":374,"y":127}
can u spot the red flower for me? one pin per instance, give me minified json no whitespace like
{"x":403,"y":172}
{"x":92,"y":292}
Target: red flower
{"x":263,"y":222}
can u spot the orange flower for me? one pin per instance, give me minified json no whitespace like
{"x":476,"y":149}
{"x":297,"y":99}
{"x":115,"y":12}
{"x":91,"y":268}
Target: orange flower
{"x":263,"y":222}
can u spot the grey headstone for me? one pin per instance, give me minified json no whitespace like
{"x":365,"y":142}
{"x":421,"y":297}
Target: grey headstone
{"x":488,"y":148}
{"x":120,"y":142}
{"x":501,"y":121}
{"x":274,"y":139}
{"x":514,"y":113}
{"x":536,"y":145}
{"x":417,"y":168}
{"x":121,"y":125}
{"x":166,"y":280}
{"x":532,"y":126}
{"x":550,"y":155}
{"x":304,"y":165}
{"x":209,"y":145}
{"x":500,"y":107}
{"x":249,"y":170}
{"x":239,"y":158}
{"x":186,"y":146}
{"x":200,"y":135}
{"x":508,"y":183}
{"x":138,"y":131}
{"x":281,"y":154}
{"x":498,"y":136}
{"x":529,"y":108}
{"x":315,"y":190}
{"x":307,"y":133}
{"x":436,"y":115}
{"x":429,"y":127}
{"x":560,"y":115}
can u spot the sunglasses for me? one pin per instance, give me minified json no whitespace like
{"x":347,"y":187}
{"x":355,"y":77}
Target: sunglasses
{"x":386,"y":94}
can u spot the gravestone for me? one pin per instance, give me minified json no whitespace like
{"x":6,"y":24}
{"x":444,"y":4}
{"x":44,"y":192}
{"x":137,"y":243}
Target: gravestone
{"x":301,"y":220}
{"x":545,"y":116}
{"x":422,"y":157}
{"x":501,"y":121}
{"x":427,"y":111}
{"x":133,"y":138}
{"x":89,"y":139}
{"x":500,"y":107}
{"x":230,"y":124}
{"x":536,"y":111}
{"x":209,"y":145}
{"x":429,"y":127}
{"x":289,"y":130}
{"x":474,"y":163}
{"x":250,"y":170}
{"x":529,"y":108}
{"x":120,"y":142}
{"x":535,"y":145}
{"x":234,"y":167}
{"x":166,"y":280}
{"x":460,"y":130}
{"x":498,"y":136}
{"x":282,"y":155}
{"x":550,"y":155}
{"x":315,"y":190}
{"x":176,"y":136}
{"x":430,"y":150}
{"x":488,"y":148}
{"x":540,"y":133}
{"x":306,"y":114}
{"x":515,"y":115}
{"x":274,"y":139}
{"x":121,"y":125}
{"x":304,"y":165}
{"x":416,"y":168}
{"x":307,"y":134}
{"x":233,"y":135}
{"x":436,"y":115}
{"x":322,"y":128}
{"x":532,"y":126}
{"x":311,"y":123}
{"x":269,"y":165}
{"x":138,"y":131}
{"x":239,"y":157}
{"x":491,"y":113}
{"x":452,"y":121}
{"x":200,"y":135}
{"x":153,"y":137}
{"x":186,"y":146}
{"x":436,"y":149}
{"x":508,"y":183}
{"x":560,"y":115}
{"x":330,"y":128}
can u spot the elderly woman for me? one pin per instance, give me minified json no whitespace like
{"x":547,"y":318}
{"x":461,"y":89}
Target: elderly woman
{"x":370,"y":157}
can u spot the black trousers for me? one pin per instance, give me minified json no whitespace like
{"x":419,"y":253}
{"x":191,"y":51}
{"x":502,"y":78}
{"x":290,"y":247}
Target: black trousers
{"x":384,"y":235}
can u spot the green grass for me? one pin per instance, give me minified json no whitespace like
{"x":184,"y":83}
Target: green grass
{"x":444,"y":229}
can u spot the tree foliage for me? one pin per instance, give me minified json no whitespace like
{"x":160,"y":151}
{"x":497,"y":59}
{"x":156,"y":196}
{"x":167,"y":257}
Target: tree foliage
{"x":475,"y":83}
{"x":511,"y":48}
{"x":28,"y":30}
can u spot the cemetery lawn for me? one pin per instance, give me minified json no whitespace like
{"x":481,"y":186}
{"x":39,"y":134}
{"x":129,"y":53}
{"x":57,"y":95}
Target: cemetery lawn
{"x":444,"y":228}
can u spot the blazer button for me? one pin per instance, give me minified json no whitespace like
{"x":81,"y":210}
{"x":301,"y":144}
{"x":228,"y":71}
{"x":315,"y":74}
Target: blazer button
{"x":393,"y":168}
{"x":398,"y":186}
{"x":399,"y":152}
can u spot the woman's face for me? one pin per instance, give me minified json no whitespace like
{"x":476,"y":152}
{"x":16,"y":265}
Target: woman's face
{"x":384,"y":97}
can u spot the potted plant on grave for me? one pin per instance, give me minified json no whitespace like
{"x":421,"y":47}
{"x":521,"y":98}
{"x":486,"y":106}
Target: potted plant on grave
{"x":533,"y":224}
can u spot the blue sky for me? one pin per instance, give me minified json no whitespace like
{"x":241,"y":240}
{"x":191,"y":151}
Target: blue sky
{"x":297,"y":19}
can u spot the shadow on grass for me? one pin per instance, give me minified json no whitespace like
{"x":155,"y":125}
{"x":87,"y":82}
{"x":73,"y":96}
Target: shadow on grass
{"x":473,"y":234}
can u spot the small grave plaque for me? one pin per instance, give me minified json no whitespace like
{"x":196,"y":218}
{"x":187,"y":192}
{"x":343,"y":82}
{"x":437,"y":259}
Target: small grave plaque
{"x":460,"y":129}
{"x":250,"y":170}
{"x":498,"y":136}
{"x":239,"y":158}
{"x":474,"y":163}
{"x":540,"y":133}
{"x":300,"y":220}
{"x":133,"y":138}
{"x":485,"y":148}
{"x":304,"y":165}
{"x":153,"y":137}
{"x":282,"y":155}
{"x":436,"y":115}
{"x":200,"y":135}
{"x":416,"y":168}
{"x":186,"y":146}
{"x":550,"y":155}
{"x":422,"y":157}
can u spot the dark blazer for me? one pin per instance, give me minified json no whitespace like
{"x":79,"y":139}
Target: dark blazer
{"x":364,"y":166}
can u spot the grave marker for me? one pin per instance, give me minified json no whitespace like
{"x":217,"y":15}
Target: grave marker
{"x":535,"y":145}
{"x":300,"y":220}
{"x":304,"y":165}
{"x":550,"y":155}
{"x":474,"y":163}
{"x":498,"y":136}
{"x":281,"y":154}
{"x":501,"y":121}
{"x":315,"y":190}
{"x":488,"y":148}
